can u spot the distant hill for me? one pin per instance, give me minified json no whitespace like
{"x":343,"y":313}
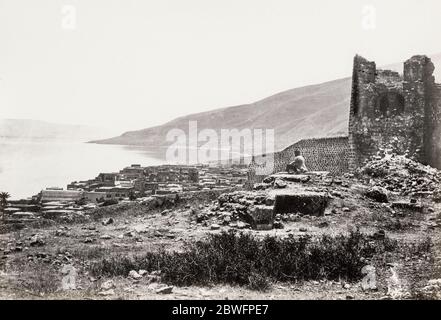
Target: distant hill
{"x":320,"y":110}
{"x":35,"y":129}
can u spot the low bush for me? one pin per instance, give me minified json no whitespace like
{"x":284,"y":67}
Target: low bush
{"x":240,"y":258}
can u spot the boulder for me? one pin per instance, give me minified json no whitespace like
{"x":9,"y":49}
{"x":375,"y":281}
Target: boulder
{"x":107,"y":285}
{"x":378,"y":194}
{"x":261,"y":217}
{"x":280,"y":184}
{"x":134,"y":275}
{"x":106,"y":222}
{"x":37,"y":241}
{"x":165,"y":290}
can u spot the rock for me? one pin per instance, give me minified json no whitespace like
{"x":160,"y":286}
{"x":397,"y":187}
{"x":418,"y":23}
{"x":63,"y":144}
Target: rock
{"x":106,"y":237}
{"x":268,"y":179}
{"x":379,"y":235}
{"x":294,"y":217}
{"x":134,"y":275}
{"x":215,"y":226}
{"x":307,"y":202}
{"x":142,"y":272}
{"x":129,"y":234}
{"x":413,"y":206}
{"x":346,"y":209}
{"x":37,"y":241}
{"x":106,"y":222}
{"x":165,"y":212}
{"x":269,"y":201}
{"x":165,"y":290}
{"x":261,"y":217}
{"x":60,"y":233}
{"x":226,"y":220}
{"x":280,"y":184}
{"x":303,"y":230}
{"x":107,"y":285}
{"x":109,"y":292}
{"x":369,"y":281}
{"x":278,"y":225}
{"x":378,"y":194}
{"x":200,"y":218}
{"x":323,"y":224}
{"x":88,"y":240}
{"x":242,"y":225}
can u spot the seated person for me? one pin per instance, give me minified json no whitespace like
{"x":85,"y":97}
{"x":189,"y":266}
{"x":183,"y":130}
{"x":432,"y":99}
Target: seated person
{"x":298,"y":165}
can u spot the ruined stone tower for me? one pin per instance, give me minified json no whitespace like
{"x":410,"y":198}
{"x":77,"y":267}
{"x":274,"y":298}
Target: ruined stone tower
{"x":401,"y":112}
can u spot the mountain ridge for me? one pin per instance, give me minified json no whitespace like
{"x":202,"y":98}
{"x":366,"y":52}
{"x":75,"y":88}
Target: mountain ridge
{"x":312,"y":111}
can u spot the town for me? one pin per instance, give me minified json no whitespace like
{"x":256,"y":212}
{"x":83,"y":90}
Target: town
{"x":134,"y":182}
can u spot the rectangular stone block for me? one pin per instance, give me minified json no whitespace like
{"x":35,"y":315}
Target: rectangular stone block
{"x":311,"y":203}
{"x":261,"y":217}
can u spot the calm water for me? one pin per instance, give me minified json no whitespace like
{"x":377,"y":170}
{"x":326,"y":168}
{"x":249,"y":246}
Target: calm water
{"x":27,"y":166}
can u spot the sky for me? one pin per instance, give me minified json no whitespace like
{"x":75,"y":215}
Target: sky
{"x":132,"y":64}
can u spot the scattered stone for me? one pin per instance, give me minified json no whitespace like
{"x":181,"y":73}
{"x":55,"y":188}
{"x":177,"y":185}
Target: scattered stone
{"x":369,"y":281}
{"x":323,"y":224}
{"x":142,"y":272}
{"x":303,"y":229}
{"x":215,"y":226}
{"x":280,"y":184}
{"x":109,"y":292}
{"x":278,"y":225}
{"x":379,"y":235}
{"x":242,"y":225}
{"x":106,"y":222}
{"x":134,"y":275}
{"x":262,"y":217}
{"x":60,"y":233}
{"x":107,"y":285}
{"x":407,"y":206}
{"x":378,"y":194}
{"x":37,"y":241}
{"x":165,"y":290}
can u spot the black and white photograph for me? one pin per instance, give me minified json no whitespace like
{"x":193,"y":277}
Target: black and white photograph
{"x":242,"y":151}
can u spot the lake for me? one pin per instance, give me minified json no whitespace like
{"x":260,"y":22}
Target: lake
{"x":29,"y":165}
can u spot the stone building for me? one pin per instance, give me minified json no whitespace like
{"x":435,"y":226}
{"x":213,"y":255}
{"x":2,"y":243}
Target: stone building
{"x":399,"y":112}
{"x":387,"y":111}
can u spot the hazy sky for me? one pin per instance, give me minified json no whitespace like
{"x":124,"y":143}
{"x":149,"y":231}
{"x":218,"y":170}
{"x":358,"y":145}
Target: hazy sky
{"x":132,"y":64}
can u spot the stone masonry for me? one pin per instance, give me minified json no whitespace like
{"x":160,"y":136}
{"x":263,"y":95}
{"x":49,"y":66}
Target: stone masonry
{"x":387,"y":111}
{"x":398,"y":112}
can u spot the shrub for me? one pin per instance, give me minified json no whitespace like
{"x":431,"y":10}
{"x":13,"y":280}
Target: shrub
{"x":242,"y":259}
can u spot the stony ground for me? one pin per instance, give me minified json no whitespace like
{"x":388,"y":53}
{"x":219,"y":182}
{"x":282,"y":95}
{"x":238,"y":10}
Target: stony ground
{"x":34,"y":258}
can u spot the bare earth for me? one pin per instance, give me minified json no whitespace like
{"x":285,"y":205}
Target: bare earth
{"x":25,"y":269}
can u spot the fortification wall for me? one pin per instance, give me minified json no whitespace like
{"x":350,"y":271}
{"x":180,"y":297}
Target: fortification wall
{"x":324,"y":154}
{"x":390,"y":111}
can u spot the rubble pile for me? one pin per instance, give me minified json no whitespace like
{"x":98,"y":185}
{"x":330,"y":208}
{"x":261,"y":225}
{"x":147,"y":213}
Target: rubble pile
{"x":236,"y":209}
{"x":402,"y":175}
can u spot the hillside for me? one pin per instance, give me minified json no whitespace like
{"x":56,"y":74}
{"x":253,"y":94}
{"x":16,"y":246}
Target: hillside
{"x":308,"y":112}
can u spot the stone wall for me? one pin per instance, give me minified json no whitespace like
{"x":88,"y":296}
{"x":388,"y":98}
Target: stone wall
{"x":393,"y":111}
{"x":324,"y":154}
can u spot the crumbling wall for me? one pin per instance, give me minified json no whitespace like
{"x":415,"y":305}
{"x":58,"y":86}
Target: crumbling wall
{"x":324,"y":154}
{"x":393,"y":111}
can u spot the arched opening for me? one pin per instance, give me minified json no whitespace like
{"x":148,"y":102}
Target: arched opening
{"x":390,"y":104}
